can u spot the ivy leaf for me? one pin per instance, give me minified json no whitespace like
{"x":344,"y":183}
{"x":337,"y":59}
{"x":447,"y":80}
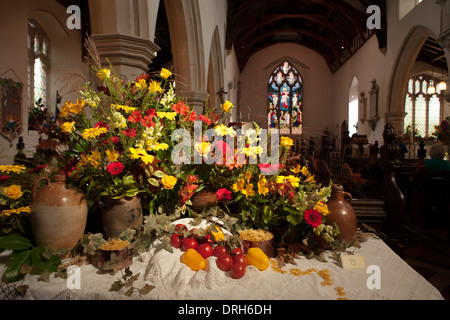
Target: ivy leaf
{"x":129,"y":292}
{"x":146,"y":289}
{"x":12,"y":273}
{"x":14,"y":242}
{"x":116,"y":286}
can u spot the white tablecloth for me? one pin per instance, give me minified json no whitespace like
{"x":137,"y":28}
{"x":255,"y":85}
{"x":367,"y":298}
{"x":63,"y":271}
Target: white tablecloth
{"x":175,"y":281}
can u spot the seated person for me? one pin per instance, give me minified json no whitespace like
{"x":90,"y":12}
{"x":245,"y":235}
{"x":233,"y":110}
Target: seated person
{"x":437,"y":162}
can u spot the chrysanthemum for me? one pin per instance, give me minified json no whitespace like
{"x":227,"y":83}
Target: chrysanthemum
{"x":168,"y":115}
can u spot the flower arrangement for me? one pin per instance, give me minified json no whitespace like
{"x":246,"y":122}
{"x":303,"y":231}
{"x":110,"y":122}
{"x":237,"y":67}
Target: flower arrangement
{"x":442,"y":131}
{"x":119,"y":134}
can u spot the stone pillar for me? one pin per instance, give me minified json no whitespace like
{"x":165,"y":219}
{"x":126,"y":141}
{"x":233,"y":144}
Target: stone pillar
{"x":444,"y":37}
{"x":121,"y":30}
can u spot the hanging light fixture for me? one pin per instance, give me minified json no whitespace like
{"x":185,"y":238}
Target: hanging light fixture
{"x":442,"y":85}
{"x":431,"y":88}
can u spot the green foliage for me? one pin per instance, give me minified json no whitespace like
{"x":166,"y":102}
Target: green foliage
{"x":127,"y":281}
{"x":28,"y":259}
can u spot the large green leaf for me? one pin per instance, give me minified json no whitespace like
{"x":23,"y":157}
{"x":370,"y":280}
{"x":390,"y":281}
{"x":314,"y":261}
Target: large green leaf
{"x":14,"y":242}
{"x":12,"y":273}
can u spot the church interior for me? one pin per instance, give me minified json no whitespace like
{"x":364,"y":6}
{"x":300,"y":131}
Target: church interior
{"x":347,"y":81}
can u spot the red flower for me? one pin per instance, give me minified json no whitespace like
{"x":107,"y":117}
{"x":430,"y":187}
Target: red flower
{"x":135,"y":117}
{"x":148,"y":122}
{"x":4,"y":178}
{"x":223,"y":194}
{"x":129,"y":132}
{"x":269,"y":169}
{"x":101,"y":124}
{"x":181,"y":108}
{"x":115,"y":168}
{"x":205,"y":119}
{"x":313,"y":217}
{"x":192,"y":179}
{"x":115,"y":139}
{"x":193,"y":116}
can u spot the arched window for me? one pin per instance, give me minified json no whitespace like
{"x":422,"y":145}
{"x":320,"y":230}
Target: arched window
{"x":38,"y":64}
{"x":423,"y":110}
{"x":286,"y":100}
{"x":353,"y":108}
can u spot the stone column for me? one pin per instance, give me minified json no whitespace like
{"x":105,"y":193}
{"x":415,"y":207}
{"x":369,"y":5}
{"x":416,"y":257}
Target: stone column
{"x":444,"y":37}
{"x":122,"y":33}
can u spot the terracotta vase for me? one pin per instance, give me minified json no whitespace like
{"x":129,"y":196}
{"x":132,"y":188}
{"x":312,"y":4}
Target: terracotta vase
{"x":58,"y":214}
{"x":341,"y":212}
{"x":203,"y":200}
{"x":118,"y":215}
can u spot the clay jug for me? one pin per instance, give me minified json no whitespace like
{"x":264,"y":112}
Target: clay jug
{"x":58,"y":213}
{"x":121,"y":214}
{"x":203,"y":200}
{"x":341,"y":212}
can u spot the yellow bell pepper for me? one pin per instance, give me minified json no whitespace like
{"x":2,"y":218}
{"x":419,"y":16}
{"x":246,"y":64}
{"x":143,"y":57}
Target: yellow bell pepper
{"x":256,"y":257}
{"x":194,"y":260}
{"x":217,"y":233}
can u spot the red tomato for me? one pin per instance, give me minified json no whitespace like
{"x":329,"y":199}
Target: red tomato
{"x":180,"y":227}
{"x":205,"y":250}
{"x":219,"y":250}
{"x":236,"y":251}
{"x":238,"y":270}
{"x":224,"y":262}
{"x":240,"y":258}
{"x":176,"y":240}
{"x":189,"y":243}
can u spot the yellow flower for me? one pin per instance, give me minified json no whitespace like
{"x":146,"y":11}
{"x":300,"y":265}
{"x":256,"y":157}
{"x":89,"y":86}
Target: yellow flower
{"x":13,"y":191}
{"x":76,"y":108}
{"x":223,"y":130}
{"x":160,"y":146}
{"x":248,"y":191}
{"x":12,"y":168}
{"x":141,"y":84}
{"x":94,"y":158}
{"x":248,"y":176}
{"x":322,"y":208}
{"x":16,"y":211}
{"x":68,"y":127}
{"x":295,"y":182}
{"x":203,"y":148}
{"x":112,"y":155}
{"x":252,"y":151}
{"x":169,"y":182}
{"x":141,"y":154}
{"x":239,"y":185}
{"x":297,"y":170}
{"x":155,"y":87}
{"x":227,"y":106}
{"x":168,"y":115}
{"x":287,"y":142}
{"x":262,"y":186}
{"x":127,"y":109}
{"x":92,"y":133}
{"x":104,"y":73}
{"x":165,"y":74}
{"x":83,"y":161}
{"x":305,"y":171}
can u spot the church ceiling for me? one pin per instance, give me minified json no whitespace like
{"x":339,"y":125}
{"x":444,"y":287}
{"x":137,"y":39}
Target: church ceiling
{"x":334,"y":29}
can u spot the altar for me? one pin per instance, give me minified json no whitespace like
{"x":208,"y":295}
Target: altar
{"x":386,"y":277}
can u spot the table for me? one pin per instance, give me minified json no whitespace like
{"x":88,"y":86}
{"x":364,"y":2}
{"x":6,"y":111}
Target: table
{"x":310,"y":279}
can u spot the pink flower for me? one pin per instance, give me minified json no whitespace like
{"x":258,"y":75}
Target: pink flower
{"x":223,"y":194}
{"x":313,"y":217}
{"x":269,"y":169}
{"x":115,"y":168}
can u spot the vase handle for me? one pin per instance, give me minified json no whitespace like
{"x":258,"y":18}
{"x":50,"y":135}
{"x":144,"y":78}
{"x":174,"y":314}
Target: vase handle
{"x":348,"y":197}
{"x":35,"y":184}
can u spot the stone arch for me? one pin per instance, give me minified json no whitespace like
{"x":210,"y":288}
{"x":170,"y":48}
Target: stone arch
{"x":186,"y":36}
{"x":215,"y":71}
{"x":406,"y":58}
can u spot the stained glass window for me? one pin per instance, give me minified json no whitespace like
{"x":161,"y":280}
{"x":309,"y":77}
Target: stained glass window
{"x":38,"y":66}
{"x":285,"y":99}
{"x":423,"y":110}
